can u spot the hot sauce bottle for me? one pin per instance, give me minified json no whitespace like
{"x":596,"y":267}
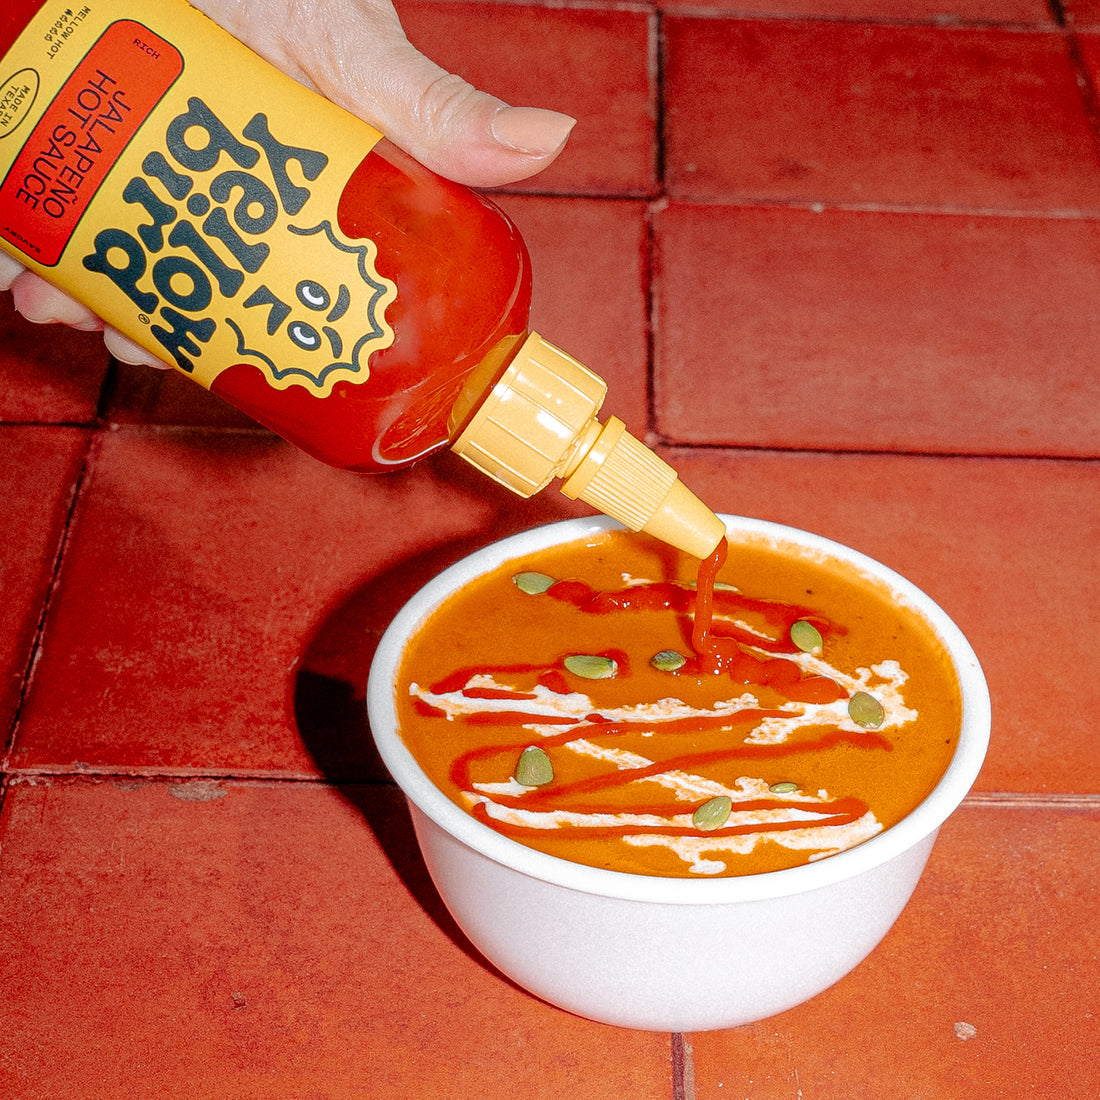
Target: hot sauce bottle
{"x":291,"y":259}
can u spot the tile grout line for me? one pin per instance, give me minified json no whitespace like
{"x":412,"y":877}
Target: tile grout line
{"x":1052,"y":800}
{"x":683,"y":1068}
{"x":946,"y":23}
{"x":672,"y":443}
{"x":806,"y":203}
{"x":35,"y":647}
{"x":702,"y":10}
{"x":987,"y":797}
{"x":93,"y":773}
{"x":809,"y":205}
{"x":742,"y":449}
{"x":1024,"y":800}
{"x":1085,"y":84}
{"x":649,"y":305}
{"x":656,"y":63}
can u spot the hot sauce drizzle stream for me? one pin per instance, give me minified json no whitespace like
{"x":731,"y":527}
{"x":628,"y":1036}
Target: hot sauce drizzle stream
{"x":709,"y":650}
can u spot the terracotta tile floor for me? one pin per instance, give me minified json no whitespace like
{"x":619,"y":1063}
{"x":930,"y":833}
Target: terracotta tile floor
{"x":841,"y":260}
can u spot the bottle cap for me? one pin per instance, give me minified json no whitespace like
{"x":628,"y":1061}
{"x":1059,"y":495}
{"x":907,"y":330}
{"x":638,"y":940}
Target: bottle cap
{"x":539,"y":422}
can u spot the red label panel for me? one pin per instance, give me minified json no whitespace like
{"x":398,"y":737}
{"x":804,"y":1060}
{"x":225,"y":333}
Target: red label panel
{"x":82,"y":133}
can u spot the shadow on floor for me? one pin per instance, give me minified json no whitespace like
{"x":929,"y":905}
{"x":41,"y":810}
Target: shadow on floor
{"x":330,"y":709}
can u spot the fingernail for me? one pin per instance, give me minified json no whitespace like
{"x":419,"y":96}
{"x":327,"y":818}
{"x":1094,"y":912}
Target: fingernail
{"x":531,"y":130}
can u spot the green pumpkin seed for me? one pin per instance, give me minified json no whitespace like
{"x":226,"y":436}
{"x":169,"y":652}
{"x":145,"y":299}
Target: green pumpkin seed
{"x":865,"y":710}
{"x":668,"y":660}
{"x":806,"y":636}
{"x":534,"y":584}
{"x":786,"y":787}
{"x":713,"y":813}
{"x":534,"y":768}
{"x":591,"y":666}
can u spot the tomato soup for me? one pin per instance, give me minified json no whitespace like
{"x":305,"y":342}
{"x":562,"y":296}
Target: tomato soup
{"x":588,"y":702}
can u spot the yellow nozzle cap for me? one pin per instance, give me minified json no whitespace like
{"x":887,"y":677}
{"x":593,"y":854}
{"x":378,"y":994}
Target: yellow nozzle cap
{"x":539,"y":422}
{"x":624,"y":479}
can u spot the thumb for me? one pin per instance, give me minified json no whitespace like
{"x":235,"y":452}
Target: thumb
{"x":363,"y":62}
{"x":441,"y":120}
{"x":467,"y":135}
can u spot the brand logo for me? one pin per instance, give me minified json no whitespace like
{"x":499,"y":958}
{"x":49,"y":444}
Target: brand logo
{"x":222,"y":219}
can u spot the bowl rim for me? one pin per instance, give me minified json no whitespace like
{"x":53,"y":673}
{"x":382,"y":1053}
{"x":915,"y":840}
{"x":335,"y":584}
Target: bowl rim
{"x":924,"y":820}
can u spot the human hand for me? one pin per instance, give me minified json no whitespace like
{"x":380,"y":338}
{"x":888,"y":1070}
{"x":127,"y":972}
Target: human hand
{"x":355,"y":53}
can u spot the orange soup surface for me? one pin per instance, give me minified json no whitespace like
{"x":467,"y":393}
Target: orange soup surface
{"x":574,"y":701}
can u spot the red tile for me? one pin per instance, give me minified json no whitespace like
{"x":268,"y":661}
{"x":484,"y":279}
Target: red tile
{"x":860,"y":330}
{"x":904,"y":11}
{"x":596,"y":65}
{"x":49,"y":374}
{"x":1082,"y":14}
{"x":856,"y":113}
{"x":1089,"y":43}
{"x":277,"y":941}
{"x":984,"y":987}
{"x":1006,"y":547}
{"x":39,"y":468}
{"x":221,"y":597}
{"x":590,"y":267}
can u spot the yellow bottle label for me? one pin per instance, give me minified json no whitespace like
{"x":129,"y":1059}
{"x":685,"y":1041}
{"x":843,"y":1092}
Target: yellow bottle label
{"x":156,"y":169}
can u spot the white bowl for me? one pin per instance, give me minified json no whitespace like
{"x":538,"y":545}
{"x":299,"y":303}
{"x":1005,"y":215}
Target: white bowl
{"x":669,"y":954}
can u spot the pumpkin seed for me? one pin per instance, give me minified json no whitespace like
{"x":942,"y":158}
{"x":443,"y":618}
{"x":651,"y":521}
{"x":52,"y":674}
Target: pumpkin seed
{"x":534,"y":768}
{"x":713,"y":813}
{"x":865,"y":710}
{"x":806,"y":636}
{"x":591,"y":666}
{"x":786,"y":787}
{"x":534,"y":584}
{"x":668,"y":660}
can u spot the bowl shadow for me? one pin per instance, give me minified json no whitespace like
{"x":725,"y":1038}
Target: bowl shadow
{"x":329,"y":706}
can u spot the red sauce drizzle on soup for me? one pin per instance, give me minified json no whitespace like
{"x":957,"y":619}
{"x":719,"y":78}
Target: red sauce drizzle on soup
{"x":643,"y":753}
